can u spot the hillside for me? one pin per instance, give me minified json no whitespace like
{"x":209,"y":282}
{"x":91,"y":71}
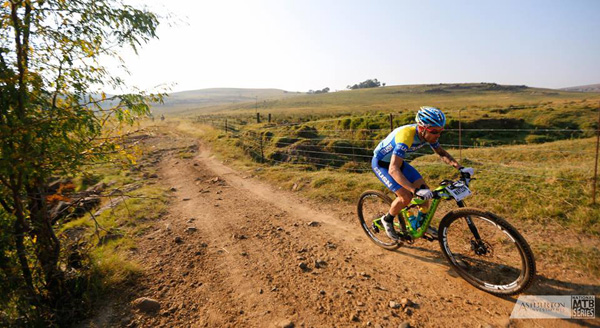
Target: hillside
{"x":293,"y":106}
{"x":394,"y":99}
{"x":584,"y":88}
{"x":198,"y":101}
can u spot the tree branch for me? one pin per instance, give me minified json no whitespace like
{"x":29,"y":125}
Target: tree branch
{"x":6,"y":206}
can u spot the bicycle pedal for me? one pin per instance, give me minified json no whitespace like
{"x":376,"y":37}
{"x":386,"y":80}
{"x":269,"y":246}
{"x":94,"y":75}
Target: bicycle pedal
{"x":406,"y":238}
{"x":431,"y":233}
{"x":428,"y":237}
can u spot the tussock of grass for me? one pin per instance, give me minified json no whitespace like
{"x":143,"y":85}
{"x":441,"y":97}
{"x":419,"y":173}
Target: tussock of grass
{"x":118,"y":226}
{"x":111,"y":263}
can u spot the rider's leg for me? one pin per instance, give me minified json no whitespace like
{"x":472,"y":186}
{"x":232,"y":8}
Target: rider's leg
{"x":424,"y":208}
{"x":420,"y":183}
{"x":403,"y":197}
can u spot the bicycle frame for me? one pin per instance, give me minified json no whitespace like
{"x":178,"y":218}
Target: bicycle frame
{"x":442,"y":195}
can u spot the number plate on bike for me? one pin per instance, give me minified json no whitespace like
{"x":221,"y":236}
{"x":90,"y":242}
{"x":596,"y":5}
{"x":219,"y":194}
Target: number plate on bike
{"x":459,"y":191}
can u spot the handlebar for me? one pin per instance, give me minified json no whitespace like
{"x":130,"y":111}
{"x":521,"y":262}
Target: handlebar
{"x":464,"y":177}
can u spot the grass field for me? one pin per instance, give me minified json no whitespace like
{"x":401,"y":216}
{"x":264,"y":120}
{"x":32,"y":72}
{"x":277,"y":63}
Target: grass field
{"x":475,"y":102}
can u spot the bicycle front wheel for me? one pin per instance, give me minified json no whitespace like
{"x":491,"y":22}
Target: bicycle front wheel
{"x":486,"y":251}
{"x":372,"y":205}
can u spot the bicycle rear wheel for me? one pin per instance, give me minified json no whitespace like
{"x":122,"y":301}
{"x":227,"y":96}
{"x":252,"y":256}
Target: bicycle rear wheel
{"x":499,"y":262}
{"x":372,"y":205}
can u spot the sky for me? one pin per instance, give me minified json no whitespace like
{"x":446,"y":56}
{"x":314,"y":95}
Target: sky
{"x":312,"y":44}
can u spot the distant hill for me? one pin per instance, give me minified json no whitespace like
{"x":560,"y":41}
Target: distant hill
{"x":401,"y":98}
{"x":234,"y":101}
{"x":584,"y":88}
{"x":203,"y":99}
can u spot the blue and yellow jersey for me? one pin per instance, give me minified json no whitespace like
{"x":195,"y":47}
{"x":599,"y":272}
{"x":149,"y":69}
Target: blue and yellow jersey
{"x":401,"y":141}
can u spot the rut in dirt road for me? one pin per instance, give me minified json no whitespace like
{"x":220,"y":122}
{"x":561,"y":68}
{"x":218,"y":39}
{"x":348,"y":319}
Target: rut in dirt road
{"x":235,"y":252}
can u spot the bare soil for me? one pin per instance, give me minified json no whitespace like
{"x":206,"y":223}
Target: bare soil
{"x":228,"y":254}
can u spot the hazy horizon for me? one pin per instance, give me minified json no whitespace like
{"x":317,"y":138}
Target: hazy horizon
{"x":388,"y":85}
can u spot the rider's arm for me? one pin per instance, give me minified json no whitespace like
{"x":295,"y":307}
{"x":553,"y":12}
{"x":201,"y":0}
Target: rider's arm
{"x":396,"y":173}
{"x":446,"y":157}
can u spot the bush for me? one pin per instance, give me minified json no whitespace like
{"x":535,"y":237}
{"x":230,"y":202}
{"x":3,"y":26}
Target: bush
{"x":282,"y":142}
{"x":535,"y":139}
{"x":340,"y":147}
{"x":307,"y":132}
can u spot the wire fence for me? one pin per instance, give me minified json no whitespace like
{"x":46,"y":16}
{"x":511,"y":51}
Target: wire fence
{"x":351,"y":150}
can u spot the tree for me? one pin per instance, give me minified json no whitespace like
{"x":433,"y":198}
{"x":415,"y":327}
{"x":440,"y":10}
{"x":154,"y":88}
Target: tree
{"x":366,"y":84}
{"x":52,"y":121}
{"x":324,"y":90}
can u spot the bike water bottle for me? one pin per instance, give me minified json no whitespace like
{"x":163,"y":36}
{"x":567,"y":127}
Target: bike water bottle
{"x":413,"y":220}
{"x":423,"y":209}
{"x":419,"y":219}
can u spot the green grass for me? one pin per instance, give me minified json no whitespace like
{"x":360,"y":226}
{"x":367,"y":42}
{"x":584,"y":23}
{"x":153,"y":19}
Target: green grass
{"x":113,"y":240}
{"x":111,"y":264}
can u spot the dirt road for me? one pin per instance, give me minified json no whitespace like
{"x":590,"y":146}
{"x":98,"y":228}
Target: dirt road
{"x":236,"y":252}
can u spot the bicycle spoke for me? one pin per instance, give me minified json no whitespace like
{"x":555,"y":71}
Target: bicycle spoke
{"x":372,"y":206}
{"x":494,"y":259}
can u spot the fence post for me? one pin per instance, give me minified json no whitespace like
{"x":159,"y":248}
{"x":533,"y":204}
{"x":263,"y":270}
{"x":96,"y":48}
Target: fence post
{"x":596,"y":163}
{"x":460,"y":134}
{"x":262,"y":154}
{"x":391,"y":122}
{"x":269,"y":117}
{"x":257,"y":117}
{"x":352,"y":145}
{"x":225,"y":126}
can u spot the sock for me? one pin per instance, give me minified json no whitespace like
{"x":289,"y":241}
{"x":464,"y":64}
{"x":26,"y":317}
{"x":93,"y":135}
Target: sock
{"x":389,"y":218}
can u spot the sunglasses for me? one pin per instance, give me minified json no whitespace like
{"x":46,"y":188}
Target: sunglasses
{"x":436,"y":132}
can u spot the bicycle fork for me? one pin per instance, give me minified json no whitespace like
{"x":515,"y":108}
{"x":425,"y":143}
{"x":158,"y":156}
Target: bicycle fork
{"x":478,"y":246}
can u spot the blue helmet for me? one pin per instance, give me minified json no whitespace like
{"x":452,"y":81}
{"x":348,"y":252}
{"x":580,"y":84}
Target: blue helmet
{"x":430,"y":116}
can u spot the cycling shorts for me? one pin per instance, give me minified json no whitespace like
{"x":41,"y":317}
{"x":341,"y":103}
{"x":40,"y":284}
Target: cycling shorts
{"x":381,"y":170}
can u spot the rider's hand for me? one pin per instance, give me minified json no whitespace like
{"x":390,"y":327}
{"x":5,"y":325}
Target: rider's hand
{"x":467,"y":170}
{"x":424,"y":193}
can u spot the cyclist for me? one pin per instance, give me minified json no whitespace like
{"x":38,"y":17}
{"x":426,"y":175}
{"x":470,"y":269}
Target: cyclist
{"x":400,"y":177}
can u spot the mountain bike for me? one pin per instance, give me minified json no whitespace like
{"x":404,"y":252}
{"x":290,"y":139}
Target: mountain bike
{"x":480,"y":246}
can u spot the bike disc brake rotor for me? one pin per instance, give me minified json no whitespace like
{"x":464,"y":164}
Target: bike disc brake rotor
{"x":493,"y":259}
{"x":482,"y":248}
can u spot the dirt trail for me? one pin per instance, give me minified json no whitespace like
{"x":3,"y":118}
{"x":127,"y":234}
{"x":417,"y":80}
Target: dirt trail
{"x":228,"y":253}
